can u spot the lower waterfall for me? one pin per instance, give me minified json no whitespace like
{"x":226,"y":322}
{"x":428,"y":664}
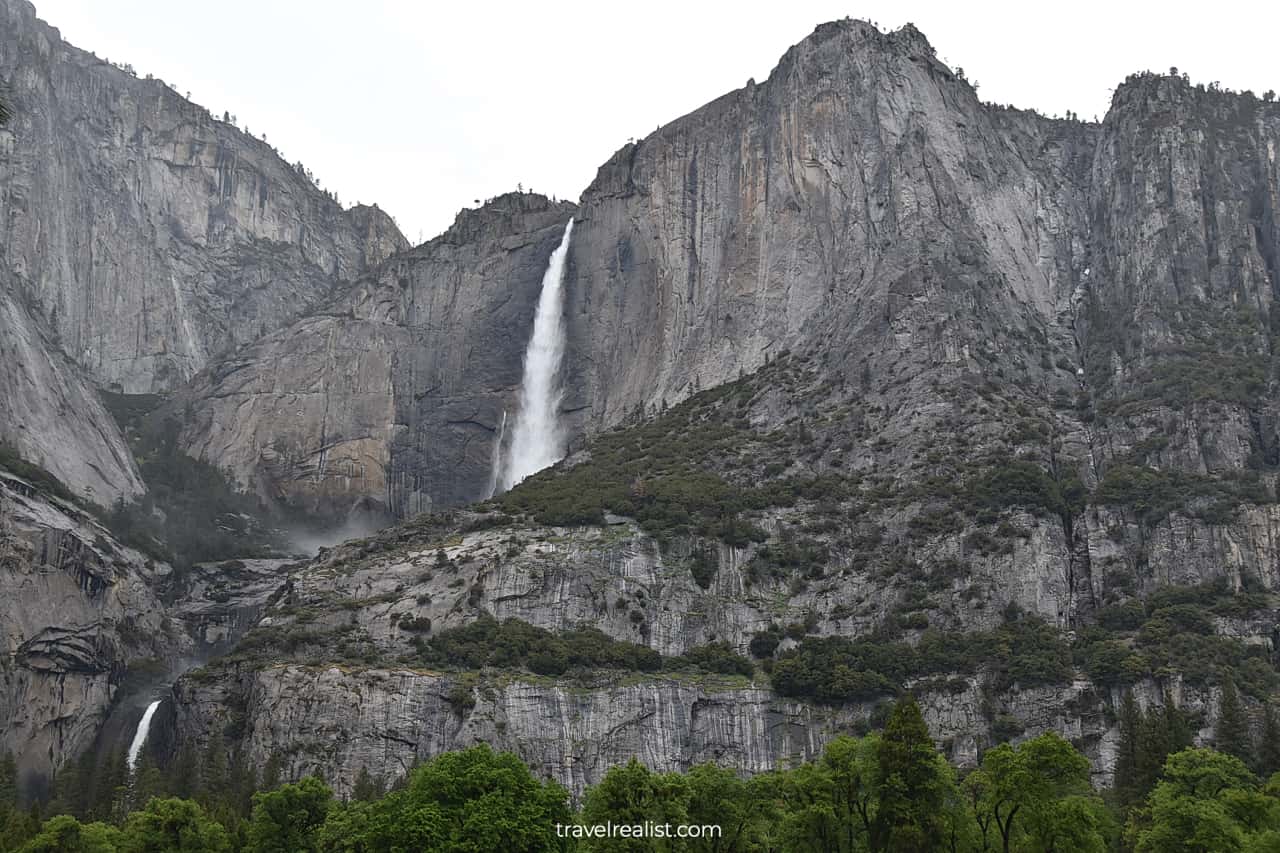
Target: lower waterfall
{"x":140,"y":736}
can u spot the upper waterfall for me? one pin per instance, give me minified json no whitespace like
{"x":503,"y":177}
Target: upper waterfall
{"x":537,"y":440}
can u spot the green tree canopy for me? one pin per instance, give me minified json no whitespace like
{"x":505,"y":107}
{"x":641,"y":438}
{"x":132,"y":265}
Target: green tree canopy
{"x":459,"y":802}
{"x":1206,"y":802}
{"x":1038,"y":790}
{"x":288,"y":819}
{"x":631,"y":794}
{"x":173,"y":826}
{"x":65,"y":834}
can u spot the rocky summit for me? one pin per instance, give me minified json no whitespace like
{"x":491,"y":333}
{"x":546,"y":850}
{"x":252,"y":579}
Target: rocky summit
{"x":868,"y":388}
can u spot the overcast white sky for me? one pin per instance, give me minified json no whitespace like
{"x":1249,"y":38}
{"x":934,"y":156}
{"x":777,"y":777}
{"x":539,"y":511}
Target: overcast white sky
{"x":423,"y":107}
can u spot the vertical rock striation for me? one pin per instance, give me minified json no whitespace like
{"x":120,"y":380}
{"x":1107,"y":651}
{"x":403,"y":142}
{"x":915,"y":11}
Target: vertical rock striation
{"x":149,"y":235}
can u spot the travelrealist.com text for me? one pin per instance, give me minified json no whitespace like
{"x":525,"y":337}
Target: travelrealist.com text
{"x":648,"y":829}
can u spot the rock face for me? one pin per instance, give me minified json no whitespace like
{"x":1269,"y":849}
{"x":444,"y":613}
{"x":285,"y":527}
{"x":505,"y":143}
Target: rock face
{"x":52,"y":416}
{"x":147,"y":234}
{"x":339,"y":721}
{"x":967,"y":362}
{"x":390,"y":399}
{"x":344,"y":717}
{"x":861,"y":201}
{"x":1028,"y":361}
{"x":80,"y":612}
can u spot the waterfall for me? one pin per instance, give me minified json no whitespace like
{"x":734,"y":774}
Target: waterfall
{"x":537,"y":441}
{"x":495,"y":464}
{"x":140,"y":736}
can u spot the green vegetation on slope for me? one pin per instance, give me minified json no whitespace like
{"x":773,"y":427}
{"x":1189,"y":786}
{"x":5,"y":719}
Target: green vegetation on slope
{"x":191,"y":512}
{"x":1024,"y":652}
{"x":1173,"y":631}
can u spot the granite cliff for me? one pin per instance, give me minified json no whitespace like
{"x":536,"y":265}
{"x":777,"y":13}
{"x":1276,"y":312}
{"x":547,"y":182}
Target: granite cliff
{"x":141,"y":237}
{"x":871,"y":386}
{"x":387,"y":401}
{"x":949,"y":369}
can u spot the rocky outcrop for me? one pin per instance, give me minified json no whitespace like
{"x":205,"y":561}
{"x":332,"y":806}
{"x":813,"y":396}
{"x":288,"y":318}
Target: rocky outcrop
{"x":80,"y":613}
{"x":388,"y":401}
{"x":52,"y":417}
{"x":341,"y":720}
{"x":147,"y":234}
{"x":861,"y":202}
{"x":373,"y":600}
{"x":220,"y":602}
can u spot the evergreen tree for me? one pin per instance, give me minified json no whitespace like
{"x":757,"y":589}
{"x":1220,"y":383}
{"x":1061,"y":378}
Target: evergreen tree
{"x":17,"y":827}
{"x":214,"y":774}
{"x":184,"y":773}
{"x":911,"y":794}
{"x":8,"y":783}
{"x":271,"y":772}
{"x":1177,"y":725}
{"x":145,"y":782}
{"x":109,"y":789}
{"x":73,"y":786}
{"x":1126,"y":773}
{"x":367,"y":787}
{"x":241,"y":785}
{"x":14,"y":829}
{"x":1163,"y":732}
{"x":1269,"y":751}
{"x":1231,"y":734}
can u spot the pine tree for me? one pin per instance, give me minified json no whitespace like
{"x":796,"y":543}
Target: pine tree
{"x":145,"y":782}
{"x":910,"y":793}
{"x":1179,"y":729}
{"x":184,"y":773}
{"x":271,"y":772}
{"x":367,"y":787}
{"x":1163,"y":732}
{"x":1231,"y":734}
{"x":242,"y":783}
{"x":110,"y":784}
{"x":1269,"y":751}
{"x":8,"y":784}
{"x":1126,"y":781}
{"x":214,"y":772}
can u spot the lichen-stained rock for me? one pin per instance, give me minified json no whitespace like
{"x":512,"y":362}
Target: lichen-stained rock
{"x":78,"y":611}
{"x":149,"y":235}
{"x":395,"y":393}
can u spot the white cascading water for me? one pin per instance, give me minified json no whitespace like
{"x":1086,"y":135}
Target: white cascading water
{"x":140,"y":736}
{"x":495,"y":464}
{"x":536,"y":441}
